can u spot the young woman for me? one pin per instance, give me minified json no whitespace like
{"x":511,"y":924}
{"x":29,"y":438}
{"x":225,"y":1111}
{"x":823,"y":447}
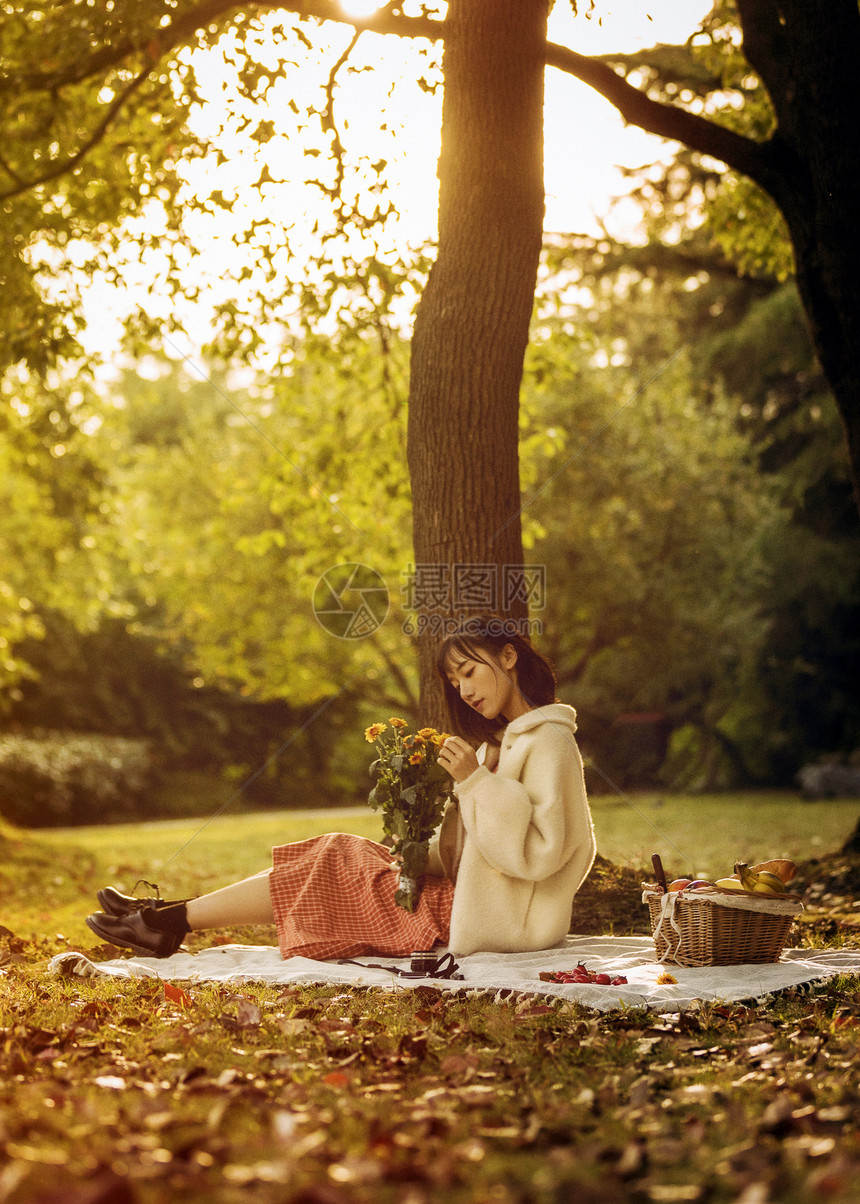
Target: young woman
{"x":510,"y":854}
{"x":519,"y":841}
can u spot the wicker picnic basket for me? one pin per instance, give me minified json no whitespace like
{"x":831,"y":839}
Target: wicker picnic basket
{"x":719,"y":928}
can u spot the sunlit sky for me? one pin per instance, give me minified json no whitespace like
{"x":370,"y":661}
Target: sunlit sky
{"x":383,"y":113}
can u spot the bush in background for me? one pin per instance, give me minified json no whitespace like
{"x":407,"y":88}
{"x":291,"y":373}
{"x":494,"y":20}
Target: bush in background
{"x":68,"y":778}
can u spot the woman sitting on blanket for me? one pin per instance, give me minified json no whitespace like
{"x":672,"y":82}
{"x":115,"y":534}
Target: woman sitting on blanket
{"x":511,"y":852}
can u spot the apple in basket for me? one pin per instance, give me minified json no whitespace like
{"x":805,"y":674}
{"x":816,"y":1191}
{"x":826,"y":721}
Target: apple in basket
{"x":679,"y":884}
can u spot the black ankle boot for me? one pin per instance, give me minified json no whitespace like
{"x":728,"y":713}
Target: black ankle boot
{"x":114,"y":903}
{"x":171,"y":918}
{"x":152,"y":932}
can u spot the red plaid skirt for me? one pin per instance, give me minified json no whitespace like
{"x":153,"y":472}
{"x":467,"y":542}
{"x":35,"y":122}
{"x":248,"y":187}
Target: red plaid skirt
{"x":333,"y":896}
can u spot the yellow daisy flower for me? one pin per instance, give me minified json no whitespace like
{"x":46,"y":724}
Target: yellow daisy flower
{"x":374,"y":731}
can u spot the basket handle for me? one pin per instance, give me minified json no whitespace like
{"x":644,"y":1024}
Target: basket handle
{"x":659,"y":872}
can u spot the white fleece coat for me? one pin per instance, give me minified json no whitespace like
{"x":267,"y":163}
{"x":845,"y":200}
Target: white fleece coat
{"x":527,"y":839}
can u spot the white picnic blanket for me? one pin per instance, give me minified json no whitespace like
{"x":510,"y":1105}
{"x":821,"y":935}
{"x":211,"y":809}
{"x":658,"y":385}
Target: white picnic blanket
{"x":501,"y":973}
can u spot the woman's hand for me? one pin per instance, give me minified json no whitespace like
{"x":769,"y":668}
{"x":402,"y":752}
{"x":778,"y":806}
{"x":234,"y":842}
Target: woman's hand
{"x":458,"y":758}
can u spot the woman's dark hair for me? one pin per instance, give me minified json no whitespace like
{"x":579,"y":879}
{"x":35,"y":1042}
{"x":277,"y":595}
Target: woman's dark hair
{"x":474,"y":639}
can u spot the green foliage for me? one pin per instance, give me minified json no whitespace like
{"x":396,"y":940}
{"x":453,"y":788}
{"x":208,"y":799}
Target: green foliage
{"x":657,"y":524}
{"x":229,"y":504}
{"x":748,"y":228}
{"x":93,"y":126}
{"x":742,"y":220}
{"x":49,"y":492}
{"x":776,"y":684}
{"x":136,"y":133}
{"x":64,"y":778}
{"x":208,"y":743}
{"x":219,"y":509}
{"x":711,"y":77}
{"x":222,"y":503}
{"x":692,"y":569}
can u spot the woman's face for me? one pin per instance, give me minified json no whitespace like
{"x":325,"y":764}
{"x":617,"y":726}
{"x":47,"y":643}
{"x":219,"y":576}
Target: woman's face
{"x":489,"y":688}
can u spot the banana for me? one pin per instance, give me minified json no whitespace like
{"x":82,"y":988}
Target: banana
{"x":769,"y":884}
{"x":745,"y":874}
{"x":762,"y":882}
{"x":784,"y":869}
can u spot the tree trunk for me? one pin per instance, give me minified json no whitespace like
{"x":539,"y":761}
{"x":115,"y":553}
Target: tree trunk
{"x":807,"y":53}
{"x":472,"y":325}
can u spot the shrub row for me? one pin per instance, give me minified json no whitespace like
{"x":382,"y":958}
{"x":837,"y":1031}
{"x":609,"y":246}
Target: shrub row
{"x":67,"y":778}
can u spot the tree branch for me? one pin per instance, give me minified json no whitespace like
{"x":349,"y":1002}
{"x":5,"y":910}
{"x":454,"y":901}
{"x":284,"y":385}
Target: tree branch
{"x":753,"y":159}
{"x":681,"y":259}
{"x":10,"y":171}
{"x":409,"y":697}
{"x":158,"y":41}
{"x":330,"y":125}
{"x":574,"y":672}
{"x":66,"y":165}
{"x":385,"y":20}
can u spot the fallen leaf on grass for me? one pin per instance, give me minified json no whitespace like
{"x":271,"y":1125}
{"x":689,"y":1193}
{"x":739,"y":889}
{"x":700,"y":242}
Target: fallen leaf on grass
{"x":534,"y":1009}
{"x":759,"y":1050}
{"x":457,"y":1064}
{"x":176,"y":995}
{"x":341,"y":1025}
{"x":631,"y":1160}
{"x":20,"y":1152}
{"x":337,"y":1079}
{"x":98,"y":1008}
{"x":291,"y":1026}
{"x":227,"y":1077}
{"x":249,"y":1013}
{"x":355,"y":1169}
{"x":285,"y":1124}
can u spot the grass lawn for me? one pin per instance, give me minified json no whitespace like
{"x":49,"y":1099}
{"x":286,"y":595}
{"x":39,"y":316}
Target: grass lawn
{"x":54,"y":887}
{"x":710,"y":832}
{"x":141,"y":1092}
{"x":55,"y":884}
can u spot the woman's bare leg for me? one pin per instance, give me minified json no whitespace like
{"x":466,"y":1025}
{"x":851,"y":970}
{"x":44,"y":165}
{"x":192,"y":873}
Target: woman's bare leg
{"x":246,"y":902}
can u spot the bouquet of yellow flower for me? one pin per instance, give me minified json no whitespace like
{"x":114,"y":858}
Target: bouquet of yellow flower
{"x":411,"y":790}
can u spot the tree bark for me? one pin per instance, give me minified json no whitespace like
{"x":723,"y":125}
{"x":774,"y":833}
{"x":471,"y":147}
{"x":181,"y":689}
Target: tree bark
{"x":807,"y":53}
{"x":472,"y":325}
